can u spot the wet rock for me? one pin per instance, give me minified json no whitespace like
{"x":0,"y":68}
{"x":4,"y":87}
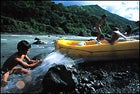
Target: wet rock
{"x":84,"y":80}
{"x":98,"y":84}
{"x":99,"y":74}
{"x":120,"y":75}
{"x":73,"y":70}
{"x":38,"y":41}
{"x":59,"y":79}
{"x":77,"y":91}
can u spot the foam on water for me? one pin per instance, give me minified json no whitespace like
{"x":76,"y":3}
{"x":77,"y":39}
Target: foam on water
{"x":3,"y":40}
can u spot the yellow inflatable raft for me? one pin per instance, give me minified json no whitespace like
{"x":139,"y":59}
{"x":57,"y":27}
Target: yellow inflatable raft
{"x":91,"y":49}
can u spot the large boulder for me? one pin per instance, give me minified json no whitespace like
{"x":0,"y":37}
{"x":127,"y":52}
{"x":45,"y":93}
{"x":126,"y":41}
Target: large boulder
{"x":59,"y":79}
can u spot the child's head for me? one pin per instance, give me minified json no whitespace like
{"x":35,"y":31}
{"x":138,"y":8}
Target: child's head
{"x":23,"y":46}
{"x":104,"y":16}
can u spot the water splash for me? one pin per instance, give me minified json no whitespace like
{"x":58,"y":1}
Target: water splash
{"x":31,"y":83}
{"x":51,"y":60}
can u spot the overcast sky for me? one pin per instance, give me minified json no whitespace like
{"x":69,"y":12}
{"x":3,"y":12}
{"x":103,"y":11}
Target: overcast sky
{"x":126,"y":9}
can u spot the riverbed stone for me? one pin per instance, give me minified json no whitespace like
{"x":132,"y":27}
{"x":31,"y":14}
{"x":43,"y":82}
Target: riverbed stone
{"x":59,"y":79}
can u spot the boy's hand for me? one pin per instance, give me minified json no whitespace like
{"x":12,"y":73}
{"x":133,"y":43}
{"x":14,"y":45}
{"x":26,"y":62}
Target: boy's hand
{"x":39,"y":61}
{"x":32,"y":61}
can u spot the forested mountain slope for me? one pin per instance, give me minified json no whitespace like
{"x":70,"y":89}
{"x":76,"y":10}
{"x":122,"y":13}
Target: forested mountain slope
{"x":46,"y":17}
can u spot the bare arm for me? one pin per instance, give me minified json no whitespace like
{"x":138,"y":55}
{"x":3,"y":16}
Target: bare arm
{"x":120,"y":34}
{"x":26,"y":64}
{"x":29,"y":60}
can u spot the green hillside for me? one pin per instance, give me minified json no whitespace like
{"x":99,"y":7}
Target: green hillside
{"x":46,"y":17}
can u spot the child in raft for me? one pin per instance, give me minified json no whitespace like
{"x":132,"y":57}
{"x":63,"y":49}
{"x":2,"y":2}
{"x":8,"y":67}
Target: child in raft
{"x":115,"y":36}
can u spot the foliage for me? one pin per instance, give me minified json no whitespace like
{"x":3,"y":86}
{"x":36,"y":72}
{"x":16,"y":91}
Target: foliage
{"x":41,"y":17}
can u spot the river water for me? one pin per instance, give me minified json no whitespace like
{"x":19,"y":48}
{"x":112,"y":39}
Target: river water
{"x":16,"y":83}
{"x":9,"y":43}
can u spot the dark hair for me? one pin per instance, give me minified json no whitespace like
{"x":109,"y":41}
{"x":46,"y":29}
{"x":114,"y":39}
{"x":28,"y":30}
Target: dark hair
{"x":23,"y":45}
{"x":129,"y":26}
{"x":104,"y":16}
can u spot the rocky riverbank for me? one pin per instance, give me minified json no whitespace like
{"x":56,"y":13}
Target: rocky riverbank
{"x":121,"y":76}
